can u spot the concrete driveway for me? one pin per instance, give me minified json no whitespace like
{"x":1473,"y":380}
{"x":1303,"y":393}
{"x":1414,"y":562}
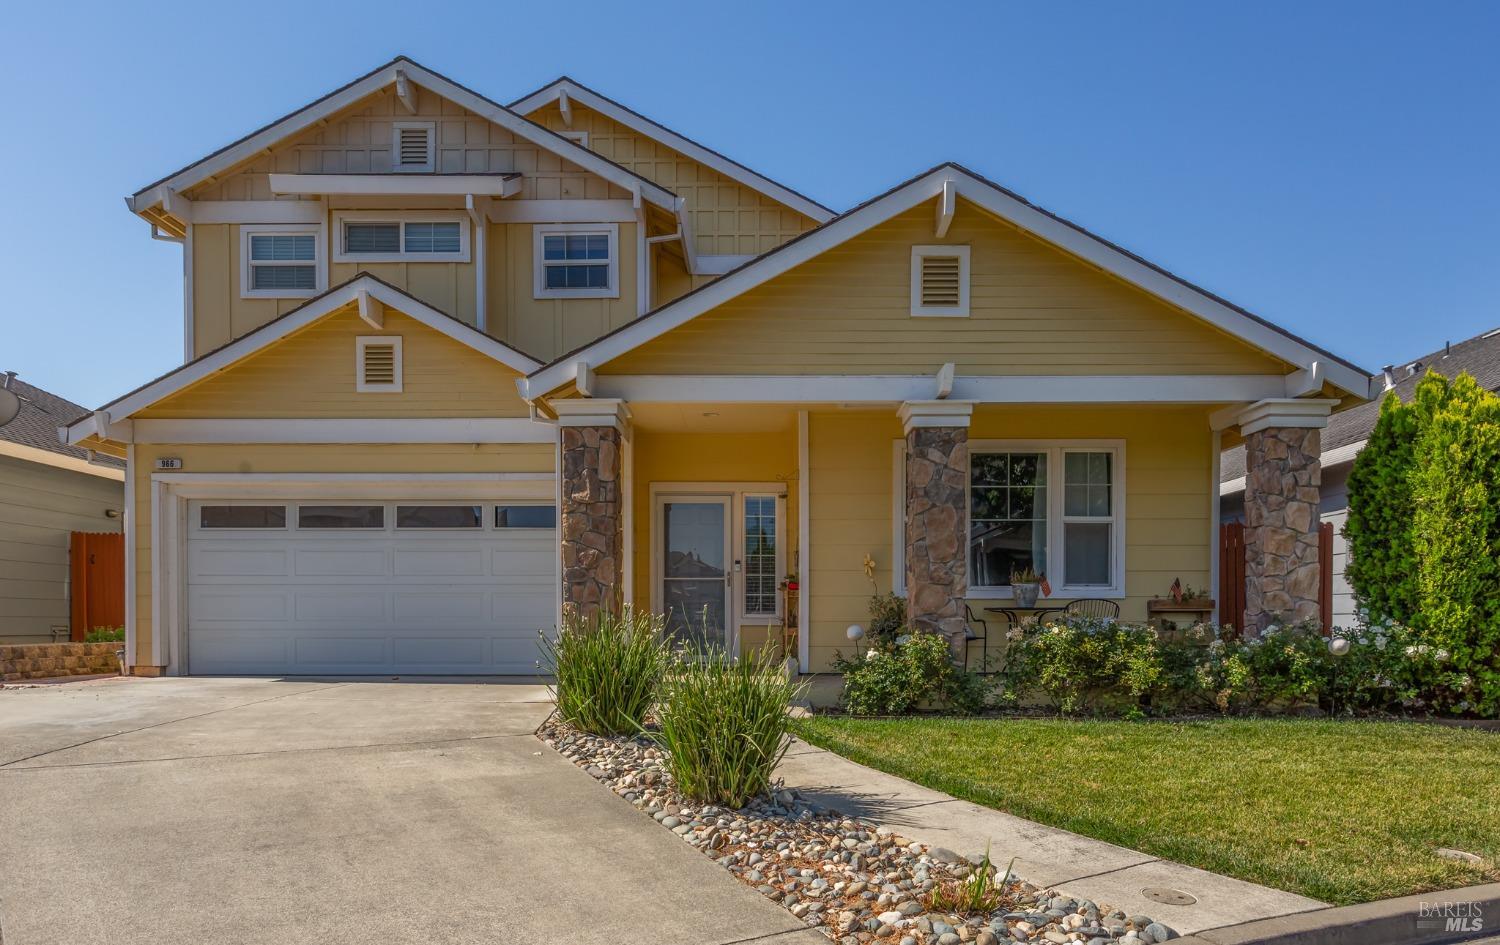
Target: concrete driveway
{"x":288,"y":811}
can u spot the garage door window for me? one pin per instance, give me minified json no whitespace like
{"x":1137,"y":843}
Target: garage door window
{"x":525,"y":516}
{"x":341,"y":516}
{"x":439,"y":516}
{"x":242,"y":516}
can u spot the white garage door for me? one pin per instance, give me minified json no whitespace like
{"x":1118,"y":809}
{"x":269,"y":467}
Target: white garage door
{"x":328,"y":587}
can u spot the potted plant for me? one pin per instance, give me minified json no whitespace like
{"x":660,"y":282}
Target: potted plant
{"x":1025,"y":585}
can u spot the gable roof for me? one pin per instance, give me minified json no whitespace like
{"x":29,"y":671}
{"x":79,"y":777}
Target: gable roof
{"x":1009,"y":206}
{"x":370,"y":83}
{"x":707,"y":156}
{"x":1348,"y":430}
{"x":312,"y":310}
{"x":34,"y":429}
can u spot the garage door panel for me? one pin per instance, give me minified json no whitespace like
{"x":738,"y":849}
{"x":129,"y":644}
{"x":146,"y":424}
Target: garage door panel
{"x":369,"y":601}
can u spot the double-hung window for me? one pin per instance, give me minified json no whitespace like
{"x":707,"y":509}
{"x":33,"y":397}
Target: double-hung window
{"x":576,"y":261}
{"x":1054,"y":507}
{"x":405,"y":237}
{"x":761,"y":556}
{"x":280,"y":262}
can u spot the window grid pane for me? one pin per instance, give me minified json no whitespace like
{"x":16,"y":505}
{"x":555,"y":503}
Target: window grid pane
{"x":1087,"y":491}
{"x":341,"y":516}
{"x":242,"y":516}
{"x":760,"y":555}
{"x":290,"y":248}
{"x":525,"y":516}
{"x":439,"y":516}
{"x":372,"y":237}
{"x":432,"y":238}
{"x":1007,"y":516}
{"x":273,"y":277}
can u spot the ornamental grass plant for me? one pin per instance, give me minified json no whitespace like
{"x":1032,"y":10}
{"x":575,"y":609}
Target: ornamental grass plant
{"x":724,"y":724}
{"x":607,"y":669}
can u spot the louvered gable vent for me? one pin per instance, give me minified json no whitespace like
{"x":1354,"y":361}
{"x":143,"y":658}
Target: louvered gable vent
{"x":412,"y":146}
{"x":940,"y":280}
{"x":379,"y":364}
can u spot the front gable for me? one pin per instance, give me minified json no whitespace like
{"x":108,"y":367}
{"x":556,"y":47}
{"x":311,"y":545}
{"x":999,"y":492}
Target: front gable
{"x":1033,"y":310}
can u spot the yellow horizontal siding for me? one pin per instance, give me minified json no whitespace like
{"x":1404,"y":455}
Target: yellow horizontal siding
{"x":1034,"y":311}
{"x":726,"y":216}
{"x":305,"y":458}
{"x":311,"y":373}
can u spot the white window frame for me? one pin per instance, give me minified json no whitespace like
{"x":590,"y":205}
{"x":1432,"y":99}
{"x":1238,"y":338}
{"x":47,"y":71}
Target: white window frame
{"x":343,"y":217}
{"x":1056,"y":555}
{"x":541,"y":231}
{"x":319,"y":263}
{"x":779,"y":499}
{"x":360,"y":344}
{"x":918,"y":310}
{"x":431,"y":164}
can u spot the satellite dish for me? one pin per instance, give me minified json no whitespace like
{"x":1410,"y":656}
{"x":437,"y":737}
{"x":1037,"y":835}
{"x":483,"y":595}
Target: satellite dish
{"x":10,"y":405}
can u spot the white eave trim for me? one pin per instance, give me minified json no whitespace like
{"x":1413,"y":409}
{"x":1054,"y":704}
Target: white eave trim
{"x":994,"y":200}
{"x":567,"y":90}
{"x":35,"y":454}
{"x":421,"y":185}
{"x":317,"y":308}
{"x":381,"y":78}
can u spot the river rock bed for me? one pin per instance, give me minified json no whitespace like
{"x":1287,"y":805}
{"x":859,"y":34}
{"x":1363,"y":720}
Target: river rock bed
{"x":855,"y":881}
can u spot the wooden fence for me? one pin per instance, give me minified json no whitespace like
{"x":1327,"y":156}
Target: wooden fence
{"x":1232,"y":573}
{"x":97,"y":561}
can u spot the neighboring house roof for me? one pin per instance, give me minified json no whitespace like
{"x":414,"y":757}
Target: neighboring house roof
{"x":362,"y":289}
{"x":307,"y":116}
{"x":634,"y":120}
{"x":1347,"y":431}
{"x":947,"y":181}
{"x":32,"y":435}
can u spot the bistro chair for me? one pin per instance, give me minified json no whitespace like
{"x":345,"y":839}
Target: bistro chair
{"x":1093,"y":607}
{"x":983,"y":636}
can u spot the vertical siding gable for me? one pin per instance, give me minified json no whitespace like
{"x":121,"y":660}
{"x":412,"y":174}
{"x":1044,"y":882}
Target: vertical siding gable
{"x":1034,"y":310}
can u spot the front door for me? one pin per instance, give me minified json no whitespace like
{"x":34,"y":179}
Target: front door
{"x":694,"y":567}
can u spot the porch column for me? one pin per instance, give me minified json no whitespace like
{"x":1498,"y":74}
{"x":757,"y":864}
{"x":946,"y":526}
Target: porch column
{"x":937,"y":517}
{"x":1283,"y":480}
{"x":591,"y":533}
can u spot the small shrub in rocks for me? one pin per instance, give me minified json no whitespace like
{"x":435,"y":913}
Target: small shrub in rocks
{"x":855,"y":881}
{"x":607,"y":669}
{"x":724,"y":724}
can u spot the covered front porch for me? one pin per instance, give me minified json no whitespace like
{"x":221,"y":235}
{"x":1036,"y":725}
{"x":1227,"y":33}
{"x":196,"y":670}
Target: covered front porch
{"x":706,"y":511}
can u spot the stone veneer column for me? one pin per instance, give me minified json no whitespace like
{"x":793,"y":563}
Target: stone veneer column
{"x":937,"y":517}
{"x":1283,"y":480}
{"x":591,"y":534}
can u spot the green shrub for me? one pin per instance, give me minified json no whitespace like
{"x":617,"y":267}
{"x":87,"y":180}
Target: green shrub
{"x":887,"y":620}
{"x":1424,"y":534}
{"x":1084,"y":663}
{"x":607,"y":670}
{"x":914,"y":671}
{"x":105,"y":635}
{"x":724,"y":724}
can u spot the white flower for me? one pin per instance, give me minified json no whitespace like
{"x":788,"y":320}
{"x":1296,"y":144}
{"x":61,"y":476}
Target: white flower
{"x":1441,"y":656}
{"x":1380,"y":641}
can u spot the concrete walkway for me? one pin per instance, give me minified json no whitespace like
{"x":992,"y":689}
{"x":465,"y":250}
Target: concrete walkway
{"x":241,"y":811}
{"x":1076,"y":865}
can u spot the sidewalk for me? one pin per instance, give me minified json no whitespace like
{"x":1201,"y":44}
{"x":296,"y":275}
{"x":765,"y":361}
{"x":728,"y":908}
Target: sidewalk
{"x":1187,"y":899}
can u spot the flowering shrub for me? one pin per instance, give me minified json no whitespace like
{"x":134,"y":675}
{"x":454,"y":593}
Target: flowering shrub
{"x":909,"y":672}
{"x":1083,"y":662}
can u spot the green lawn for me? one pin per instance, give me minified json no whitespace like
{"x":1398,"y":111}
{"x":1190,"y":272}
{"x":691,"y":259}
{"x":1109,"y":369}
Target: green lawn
{"x":1340,"y":811}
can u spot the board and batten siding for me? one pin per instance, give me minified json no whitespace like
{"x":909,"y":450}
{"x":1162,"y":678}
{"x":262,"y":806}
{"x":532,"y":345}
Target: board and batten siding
{"x":308,"y":458}
{"x":1035,"y":311}
{"x":726,"y":217}
{"x":311,"y":373}
{"x":852,"y":456}
{"x":40,"y":506}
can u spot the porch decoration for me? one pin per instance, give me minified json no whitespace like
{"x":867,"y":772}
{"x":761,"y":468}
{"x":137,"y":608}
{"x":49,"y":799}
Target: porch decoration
{"x":1025,"y":585}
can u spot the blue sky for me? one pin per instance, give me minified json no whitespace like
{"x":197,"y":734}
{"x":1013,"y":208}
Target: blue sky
{"x":1334,"y":167}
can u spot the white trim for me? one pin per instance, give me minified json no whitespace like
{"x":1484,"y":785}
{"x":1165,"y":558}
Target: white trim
{"x":676,"y":142}
{"x":188,"y":349}
{"x":642,"y":268}
{"x":934,"y":413}
{"x":350,"y":430}
{"x":717,"y":264}
{"x":1307,"y":413}
{"x":429,"y":163}
{"x":759,"y":618}
{"x":947,"y":204}
{"x":383,"y":77}
{"x":663,"y":493}
{"x":804,"y":542}
{"x":1056,"y":554}
{"x":562,"y":211}
{"x":396,"y":185}
{"x":539,"y":265}
{"x":898,"y":516}
{"x":330,"y":302}
{"x":341,"y":218}
{"x":319,"y":261}
{"x":364,"y":342}
{"x":994,"y":200}
{"x":128,"y":524}
{"x":919,"y":255}
{"x":580,"y":138}
{"x":34,"y":454}
{"x":1334,"y":457}
{"x":259,"y":211}
{"x":627,"y":519}
{"x":593,"y":412}
{"x":1215,"y":445}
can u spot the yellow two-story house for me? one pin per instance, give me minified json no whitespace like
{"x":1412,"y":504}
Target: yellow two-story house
{"x":451,"y":367}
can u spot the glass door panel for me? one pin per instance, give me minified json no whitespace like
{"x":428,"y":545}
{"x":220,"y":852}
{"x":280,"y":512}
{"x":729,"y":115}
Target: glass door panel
{"x":694,"y":569}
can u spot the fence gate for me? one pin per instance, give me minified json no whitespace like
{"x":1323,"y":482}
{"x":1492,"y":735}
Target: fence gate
{"x":1232,"y":574}
{"x":97,"y":561}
